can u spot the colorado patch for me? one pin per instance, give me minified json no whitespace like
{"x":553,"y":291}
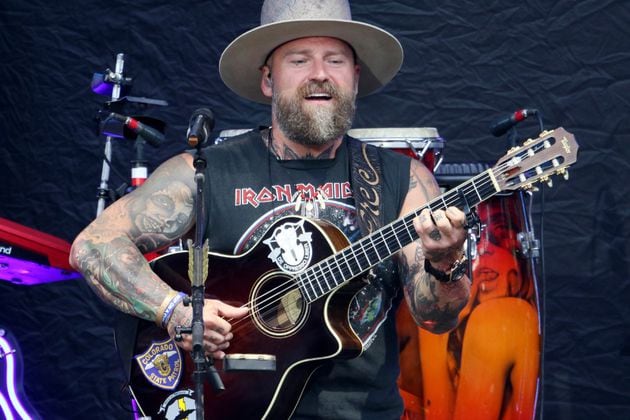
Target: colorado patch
{"x":161,"y":364}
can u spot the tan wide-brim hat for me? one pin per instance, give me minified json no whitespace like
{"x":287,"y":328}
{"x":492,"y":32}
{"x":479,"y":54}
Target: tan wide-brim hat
{"x":378,"y":52}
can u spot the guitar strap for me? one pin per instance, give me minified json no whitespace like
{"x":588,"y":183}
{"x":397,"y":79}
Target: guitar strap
{"x":366,"y":178}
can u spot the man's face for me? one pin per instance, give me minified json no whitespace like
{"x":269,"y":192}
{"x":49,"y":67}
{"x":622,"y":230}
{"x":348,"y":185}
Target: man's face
{"x":313,"y":84}
{"x":166,"y":210}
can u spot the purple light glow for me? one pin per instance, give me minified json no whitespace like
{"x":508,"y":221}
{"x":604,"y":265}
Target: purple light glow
{"x":6,"y":409}
{"x":14,"y":402}
{"x":29,"y":273}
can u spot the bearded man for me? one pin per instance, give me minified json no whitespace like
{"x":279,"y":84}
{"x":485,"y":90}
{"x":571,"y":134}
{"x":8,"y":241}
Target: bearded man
{"x":310,"y":60}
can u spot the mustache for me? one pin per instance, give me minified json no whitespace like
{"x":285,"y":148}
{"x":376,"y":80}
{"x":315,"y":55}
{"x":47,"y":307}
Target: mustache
{"x":313,"y":87}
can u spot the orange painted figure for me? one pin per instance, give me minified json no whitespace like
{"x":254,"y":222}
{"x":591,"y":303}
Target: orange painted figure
{"x":488,"y":367}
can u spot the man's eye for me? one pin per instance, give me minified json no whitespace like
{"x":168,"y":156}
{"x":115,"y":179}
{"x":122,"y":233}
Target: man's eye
{"x":162,"y":201}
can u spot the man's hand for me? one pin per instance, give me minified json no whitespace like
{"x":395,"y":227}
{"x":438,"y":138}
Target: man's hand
{"x":217,"y":331}
{"x":442,"y":235}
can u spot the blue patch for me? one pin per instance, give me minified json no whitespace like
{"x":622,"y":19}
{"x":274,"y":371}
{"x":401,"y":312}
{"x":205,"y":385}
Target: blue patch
{"x":161,"y":364}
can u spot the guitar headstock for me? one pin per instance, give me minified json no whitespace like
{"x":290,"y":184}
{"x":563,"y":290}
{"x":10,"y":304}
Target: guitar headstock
{"x":537,"y":160}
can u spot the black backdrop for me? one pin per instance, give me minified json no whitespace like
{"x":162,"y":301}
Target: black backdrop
{"x":466,"y":63}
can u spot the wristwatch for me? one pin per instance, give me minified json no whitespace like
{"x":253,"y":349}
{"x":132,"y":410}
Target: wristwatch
{"x":456,"y":272}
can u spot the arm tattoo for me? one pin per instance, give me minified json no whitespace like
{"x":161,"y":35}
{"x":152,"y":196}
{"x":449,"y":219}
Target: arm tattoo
{"x":419,"y":179}
{"x":109,"y":251}
{"x":434,"y":306}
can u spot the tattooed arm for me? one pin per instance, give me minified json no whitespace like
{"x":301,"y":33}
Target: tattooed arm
{"x":109,"y":251}
{"x":434,"y":305}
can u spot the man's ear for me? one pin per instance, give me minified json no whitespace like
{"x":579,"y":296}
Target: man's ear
{"x":265,"y":81}
{"x":357,"y":74}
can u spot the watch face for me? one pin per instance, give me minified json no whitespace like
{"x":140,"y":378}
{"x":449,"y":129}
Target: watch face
{"x":459,"y":270}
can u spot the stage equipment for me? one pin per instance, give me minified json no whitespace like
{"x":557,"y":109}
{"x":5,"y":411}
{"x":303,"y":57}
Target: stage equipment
{"x":502,"y":125}
{"x":113,"y":124}
{"x":13,"y":401}
{"x":200,"y":127}
{"x":30,"y":257}
{"x":422,"y":143}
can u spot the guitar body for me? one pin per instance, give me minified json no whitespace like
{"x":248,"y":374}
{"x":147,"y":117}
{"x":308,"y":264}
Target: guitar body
{"x":299,"y":335}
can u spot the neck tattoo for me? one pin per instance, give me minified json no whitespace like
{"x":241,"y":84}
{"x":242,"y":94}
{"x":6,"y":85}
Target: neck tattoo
{"x":290,"y":154}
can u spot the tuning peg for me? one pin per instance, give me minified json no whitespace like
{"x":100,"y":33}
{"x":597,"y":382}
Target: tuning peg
{"x":564,"y":173}
{"x":547,"y":180}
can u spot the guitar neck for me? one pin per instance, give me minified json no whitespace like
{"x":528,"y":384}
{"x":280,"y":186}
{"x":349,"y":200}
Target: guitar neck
{"x":337,"y":269}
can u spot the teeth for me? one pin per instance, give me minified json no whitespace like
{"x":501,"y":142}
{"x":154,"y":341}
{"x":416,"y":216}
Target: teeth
{"x":318,"y":96}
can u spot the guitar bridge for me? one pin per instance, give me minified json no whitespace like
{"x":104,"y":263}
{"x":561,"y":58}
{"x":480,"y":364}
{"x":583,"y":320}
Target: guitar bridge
{"x":249,"y":362}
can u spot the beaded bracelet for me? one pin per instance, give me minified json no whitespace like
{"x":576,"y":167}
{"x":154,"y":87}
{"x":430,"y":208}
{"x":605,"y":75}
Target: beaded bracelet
{"x":166,"y":308}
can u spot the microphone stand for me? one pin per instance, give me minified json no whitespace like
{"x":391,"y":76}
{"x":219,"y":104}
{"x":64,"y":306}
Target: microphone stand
{"x":139,"y":170}
{"x":198,"y":273}
{"x":103,"y":187}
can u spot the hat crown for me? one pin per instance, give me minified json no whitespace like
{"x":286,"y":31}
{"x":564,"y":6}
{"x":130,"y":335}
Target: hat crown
{"x":283,"y":10}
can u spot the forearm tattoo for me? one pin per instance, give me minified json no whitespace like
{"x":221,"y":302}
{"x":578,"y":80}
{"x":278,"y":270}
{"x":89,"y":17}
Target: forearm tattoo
{"x":434,"y":306}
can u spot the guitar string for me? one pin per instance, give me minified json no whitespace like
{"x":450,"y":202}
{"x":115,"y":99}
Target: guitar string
{"x":272,"y":296}
{"x":266,"y":303}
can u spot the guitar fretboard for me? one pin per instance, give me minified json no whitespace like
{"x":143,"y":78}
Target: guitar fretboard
{"x":332,"y":272}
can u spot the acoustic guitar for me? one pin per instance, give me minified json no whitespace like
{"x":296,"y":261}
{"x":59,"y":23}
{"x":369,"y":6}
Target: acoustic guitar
{"x":298,"y":281}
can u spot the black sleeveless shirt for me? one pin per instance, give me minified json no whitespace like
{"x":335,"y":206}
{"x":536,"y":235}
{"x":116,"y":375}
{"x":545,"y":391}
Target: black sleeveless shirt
{"x":248,"y":189}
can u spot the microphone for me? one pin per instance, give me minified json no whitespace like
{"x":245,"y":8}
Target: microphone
{"x":199,"y":128}
{"x":149,"y":134}
{"x":501,"y":125}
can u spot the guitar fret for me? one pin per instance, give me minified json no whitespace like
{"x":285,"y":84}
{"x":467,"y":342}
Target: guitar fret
{"x":489,"y":189}
{"x":359,"y":256}
{"x":408,"y":227}
{"x":342,"y":275}
{"x":472,"y":182}
{"x":325,"y":277}
{"x":367,"y":257}
{"x":389,"y":252}
{"x":444,"y":202}
{"x":319,"y":283}
{"x":305,"y":288}
{"x":356,"y":261}
{"x":348,"y":264}
{"x":375,"y":249}
{"x":400,"y":245}
{"x":394,"y":243}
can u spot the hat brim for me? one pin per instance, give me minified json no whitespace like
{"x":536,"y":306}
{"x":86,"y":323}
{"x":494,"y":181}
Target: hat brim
{"x":378,"y":52}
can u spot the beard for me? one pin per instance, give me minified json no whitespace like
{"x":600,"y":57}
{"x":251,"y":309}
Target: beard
{"x":314,"y":126}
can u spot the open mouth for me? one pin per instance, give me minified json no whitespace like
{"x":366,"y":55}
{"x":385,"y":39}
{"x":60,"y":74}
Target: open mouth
{"x":487,"y":278}
{"x":318,"y":97}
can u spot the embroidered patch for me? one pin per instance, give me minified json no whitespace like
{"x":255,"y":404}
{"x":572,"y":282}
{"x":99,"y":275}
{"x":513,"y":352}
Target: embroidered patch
{"x":291,"y":247}
{"x":178,"y":405}
{"x":161,"y":364}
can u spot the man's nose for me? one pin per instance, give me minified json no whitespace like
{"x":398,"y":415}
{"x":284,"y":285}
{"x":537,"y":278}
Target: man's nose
{"x":318,"y":71}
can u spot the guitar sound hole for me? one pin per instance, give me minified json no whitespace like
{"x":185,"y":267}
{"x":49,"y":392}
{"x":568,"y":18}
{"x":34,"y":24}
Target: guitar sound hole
{"x":280,"y":308}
